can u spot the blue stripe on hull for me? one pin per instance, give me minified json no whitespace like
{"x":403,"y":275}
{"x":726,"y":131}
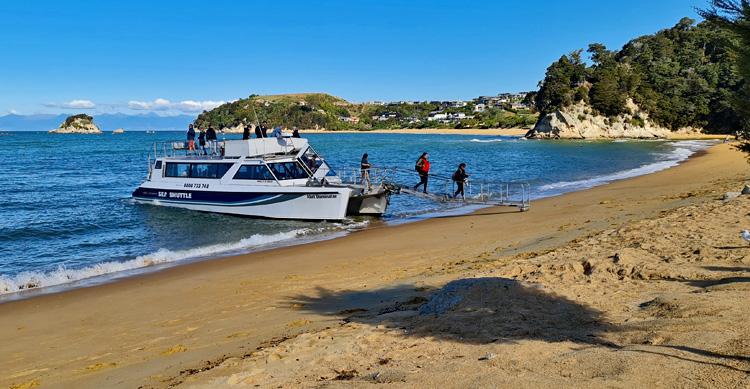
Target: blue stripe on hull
{"x":234,"y":199}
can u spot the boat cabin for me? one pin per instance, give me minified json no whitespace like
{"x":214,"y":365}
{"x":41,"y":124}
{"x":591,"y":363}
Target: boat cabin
{"x":264,"y":161}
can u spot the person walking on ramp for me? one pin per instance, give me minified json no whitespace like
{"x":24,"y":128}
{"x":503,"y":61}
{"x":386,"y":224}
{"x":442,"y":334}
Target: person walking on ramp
{"x":423,"y":168}
{"x":460,"y":177}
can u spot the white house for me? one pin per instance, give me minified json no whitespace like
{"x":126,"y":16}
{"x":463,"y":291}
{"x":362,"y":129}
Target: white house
{"x":480,"y":107}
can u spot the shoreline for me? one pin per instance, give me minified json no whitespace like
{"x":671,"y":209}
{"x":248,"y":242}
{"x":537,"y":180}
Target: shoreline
{"x":146,"y":329}
{"x":144,"y":264}
{"x":516,"y":132}
{"x":509,"y":132}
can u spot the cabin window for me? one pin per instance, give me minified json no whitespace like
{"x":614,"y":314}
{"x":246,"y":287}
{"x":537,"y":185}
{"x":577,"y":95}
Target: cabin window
{"x":253,"y":172}
{"x":157,"y":165}
{"x":288,"y":170}
{"x":177,"y":170}
{"x":197,"y":170}
{"x":209,"y":170}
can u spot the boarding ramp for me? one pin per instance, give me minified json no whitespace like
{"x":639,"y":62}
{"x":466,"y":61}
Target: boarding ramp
{"x":440,"y":188}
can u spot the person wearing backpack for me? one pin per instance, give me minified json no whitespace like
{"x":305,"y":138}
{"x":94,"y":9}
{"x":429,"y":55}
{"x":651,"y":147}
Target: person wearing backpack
{"x":423,"y":169}
{"x":460,"y":177}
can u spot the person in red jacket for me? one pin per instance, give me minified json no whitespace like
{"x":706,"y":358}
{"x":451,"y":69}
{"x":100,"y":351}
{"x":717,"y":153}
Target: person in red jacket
{"x":423,"y":168}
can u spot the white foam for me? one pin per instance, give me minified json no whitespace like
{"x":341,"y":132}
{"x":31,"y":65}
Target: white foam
{"x":485,"y":140}
{"x":63,"y":275}
{"x":682,"y":151}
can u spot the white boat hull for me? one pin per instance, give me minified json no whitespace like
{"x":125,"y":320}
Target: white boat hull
{"x":304,"y":203}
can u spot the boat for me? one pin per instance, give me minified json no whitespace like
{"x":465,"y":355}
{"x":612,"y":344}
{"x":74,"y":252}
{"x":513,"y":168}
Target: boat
{"x":278,"y":178}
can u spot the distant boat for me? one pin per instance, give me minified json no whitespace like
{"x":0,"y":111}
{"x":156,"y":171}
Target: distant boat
{"x":118,"y":131}
{"x":150,"y":132}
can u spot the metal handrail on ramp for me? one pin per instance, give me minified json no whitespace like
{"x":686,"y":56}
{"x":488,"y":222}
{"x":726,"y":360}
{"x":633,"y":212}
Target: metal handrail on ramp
{"x":441,"y":188}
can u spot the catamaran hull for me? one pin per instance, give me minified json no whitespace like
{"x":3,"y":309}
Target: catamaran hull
{"x":321,"y":204}
{"x":369,"y":204}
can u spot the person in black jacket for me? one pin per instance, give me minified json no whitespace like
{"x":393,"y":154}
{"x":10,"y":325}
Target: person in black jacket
{"x":211,"y":139}
{"x":190,"y":138}
{"x":246,"y":132}
{"x":258,"y":132}
{"x":202,"y":141}
{"x":365,"y":168}
{"x":460,"y":177}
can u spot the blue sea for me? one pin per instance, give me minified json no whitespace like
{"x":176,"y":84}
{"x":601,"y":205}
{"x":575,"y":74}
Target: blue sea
{"x":67,"y":220}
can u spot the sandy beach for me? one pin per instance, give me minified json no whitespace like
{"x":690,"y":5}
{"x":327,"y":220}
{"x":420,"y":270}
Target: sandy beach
{"x":498,"y":132}
{"x":441,"y":131}
{"x":639,"y":283}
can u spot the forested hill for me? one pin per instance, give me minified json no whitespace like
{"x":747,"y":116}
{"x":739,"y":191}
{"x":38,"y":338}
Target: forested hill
{"x":682,"y":77}
{"x":323,"y":111}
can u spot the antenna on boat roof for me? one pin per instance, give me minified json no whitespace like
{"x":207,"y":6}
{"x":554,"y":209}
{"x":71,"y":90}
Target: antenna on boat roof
{"x":252,"y":105}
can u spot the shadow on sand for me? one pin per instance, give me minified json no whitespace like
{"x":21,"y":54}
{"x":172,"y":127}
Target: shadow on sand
{"x":487,"y":310}
{"x":480,"y":310}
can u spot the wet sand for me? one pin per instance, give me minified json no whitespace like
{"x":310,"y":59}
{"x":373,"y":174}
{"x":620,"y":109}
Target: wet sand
{"x":346,"y":311}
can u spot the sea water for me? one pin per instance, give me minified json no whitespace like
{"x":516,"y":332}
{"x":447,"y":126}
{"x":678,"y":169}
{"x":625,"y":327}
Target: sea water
{"x":66,"y":217}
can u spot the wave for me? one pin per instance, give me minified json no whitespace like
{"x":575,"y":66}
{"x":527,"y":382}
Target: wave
{"x":682,"y":151}
{"x":485,"y":140}
{"x":62,"y":275}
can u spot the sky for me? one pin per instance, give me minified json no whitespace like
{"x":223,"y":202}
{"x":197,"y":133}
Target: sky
{"x":172,"y":57}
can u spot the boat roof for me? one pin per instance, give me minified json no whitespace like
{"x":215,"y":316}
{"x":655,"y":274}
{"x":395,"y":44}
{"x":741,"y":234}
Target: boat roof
{"x":260,"y":147}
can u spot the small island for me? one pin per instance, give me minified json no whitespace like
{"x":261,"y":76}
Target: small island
{"x":77,"y":124}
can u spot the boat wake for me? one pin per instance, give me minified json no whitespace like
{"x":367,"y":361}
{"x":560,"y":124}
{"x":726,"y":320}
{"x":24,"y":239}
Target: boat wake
{"x":485,"y":140}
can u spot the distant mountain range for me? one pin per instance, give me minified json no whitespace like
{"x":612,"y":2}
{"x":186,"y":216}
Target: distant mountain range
{"x":105,"y":121}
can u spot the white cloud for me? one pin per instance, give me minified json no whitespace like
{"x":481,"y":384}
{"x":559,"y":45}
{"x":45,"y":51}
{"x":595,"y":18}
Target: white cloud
{"x":74,"y":104}
{"x":166,"y":105}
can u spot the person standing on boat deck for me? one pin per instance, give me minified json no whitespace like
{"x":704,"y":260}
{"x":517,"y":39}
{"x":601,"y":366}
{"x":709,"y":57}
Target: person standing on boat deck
{"x":191,"y":138}
{"x":277,"y":132}
{"x":423,"y":168}
{"x":264,"y":129}
{"x":246,"y":132}
{"x":258,"y":132}
{"x":295,"y":133}
{"x":365,"y":166}
{"x":460,"y":177}
{"x":202,"y":141}
{"x":211,"y":138}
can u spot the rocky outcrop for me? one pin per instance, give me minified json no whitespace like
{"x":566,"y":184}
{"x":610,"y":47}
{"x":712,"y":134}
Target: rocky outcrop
{"x":238,"y":129}
{"x":578,"y":122}
{"x":77,"y":124}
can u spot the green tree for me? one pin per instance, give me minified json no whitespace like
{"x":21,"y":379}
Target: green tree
{"x":734,"y":17}
{"x":562,"y":77}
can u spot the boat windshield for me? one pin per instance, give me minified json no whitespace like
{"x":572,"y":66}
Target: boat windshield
{"x":288,"y":170}
{"x":311,"y":159}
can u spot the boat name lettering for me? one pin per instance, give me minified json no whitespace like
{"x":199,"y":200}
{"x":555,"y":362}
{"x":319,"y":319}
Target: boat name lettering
{"x":194,"y":185}
{"x":176,"y":195}
{"x":322,"y":195}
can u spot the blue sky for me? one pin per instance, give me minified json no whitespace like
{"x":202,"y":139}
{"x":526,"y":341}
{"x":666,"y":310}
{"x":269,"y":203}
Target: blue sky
{"x":182,"y":56}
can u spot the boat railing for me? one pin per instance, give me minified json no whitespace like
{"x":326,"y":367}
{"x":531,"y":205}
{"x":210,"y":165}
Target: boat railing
{"x":442,"y":188}
{"x":373,"y":178}
{"x":179,"y":148}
